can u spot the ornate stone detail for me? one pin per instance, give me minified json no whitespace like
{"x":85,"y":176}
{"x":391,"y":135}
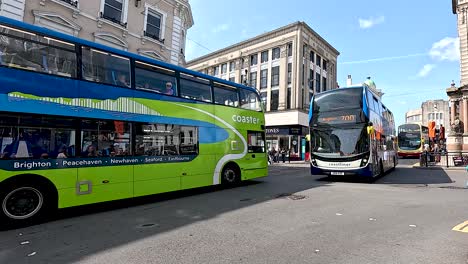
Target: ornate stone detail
{"x":284,"y":51}
{"x":457,"y":127}
{"x":462,"y":11}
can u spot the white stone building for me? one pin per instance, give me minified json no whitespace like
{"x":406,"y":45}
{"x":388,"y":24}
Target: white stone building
{"x":156,"y":29}
{"x":287,"y":66}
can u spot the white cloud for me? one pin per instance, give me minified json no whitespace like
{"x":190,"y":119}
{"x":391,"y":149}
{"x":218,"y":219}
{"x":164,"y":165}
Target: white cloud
{"x":371,"y":21}
{"x":446,"y":49}
{"x":220,"y":28}
{"x":426,"y":69}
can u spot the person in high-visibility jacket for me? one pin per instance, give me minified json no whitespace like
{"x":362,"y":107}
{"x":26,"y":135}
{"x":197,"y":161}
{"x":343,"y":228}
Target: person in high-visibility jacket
{"x":370,"y":130}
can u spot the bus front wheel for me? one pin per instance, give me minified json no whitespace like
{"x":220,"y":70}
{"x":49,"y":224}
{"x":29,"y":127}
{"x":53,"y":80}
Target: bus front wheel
{"x":24,"y":204}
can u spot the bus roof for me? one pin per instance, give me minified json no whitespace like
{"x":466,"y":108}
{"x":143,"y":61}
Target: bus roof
{"x":358,"y":87}
{"x":65,"y":37}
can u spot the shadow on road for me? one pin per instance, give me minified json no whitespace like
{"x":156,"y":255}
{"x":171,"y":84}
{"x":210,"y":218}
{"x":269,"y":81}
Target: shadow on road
{"x":401,"y":175}
{"x":416,"y":176}
{"x":78,"y":233}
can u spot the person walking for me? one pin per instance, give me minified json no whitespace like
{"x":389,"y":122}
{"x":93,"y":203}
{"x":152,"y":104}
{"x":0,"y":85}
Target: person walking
{"x":283,"y":155}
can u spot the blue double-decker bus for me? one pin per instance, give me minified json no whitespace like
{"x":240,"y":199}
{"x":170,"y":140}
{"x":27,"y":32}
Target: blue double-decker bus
{"x":351,"y":133}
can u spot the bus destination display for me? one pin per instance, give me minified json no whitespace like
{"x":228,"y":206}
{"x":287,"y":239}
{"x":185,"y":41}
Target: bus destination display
{"x":338,"y":119}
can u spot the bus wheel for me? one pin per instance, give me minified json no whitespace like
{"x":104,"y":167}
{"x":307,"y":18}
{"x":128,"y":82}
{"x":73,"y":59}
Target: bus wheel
{"x":230,"y":175}
{"x":24,"y":204}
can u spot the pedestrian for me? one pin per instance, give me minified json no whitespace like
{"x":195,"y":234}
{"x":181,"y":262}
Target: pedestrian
{"x":436,"y":151}
{"x":283,"y":155}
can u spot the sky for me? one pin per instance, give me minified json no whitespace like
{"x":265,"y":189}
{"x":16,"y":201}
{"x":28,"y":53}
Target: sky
{"x":409,"y":48}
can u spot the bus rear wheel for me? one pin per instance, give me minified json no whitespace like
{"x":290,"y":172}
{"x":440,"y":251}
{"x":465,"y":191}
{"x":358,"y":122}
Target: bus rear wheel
{"x":23,"y":204}
{"x":230,"y":175}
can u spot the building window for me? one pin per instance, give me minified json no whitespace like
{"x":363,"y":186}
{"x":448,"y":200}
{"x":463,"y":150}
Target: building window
{"x":289,"y":72}
{"x":288,"y":99}
{"x":274,"y":100}
{"x":440,"y":116}
{"x":304,"y":48}
{"x":232,"y":79}
{"x":264,"y":78}
{"x":114,"y":10}
{"x":223,"y":68}
{"x":216,"y":70}
{"x":153,"y":24}
{"x":324,"y":83}
{"x":264,"y":57}
{"x":317,"y":82}
{"x":243,"y":79}
{"x":253,"y":79}
{"x":263,"y":97}
{"x":303,"y":73}
{"x":311,"y":79}
{"x":324,"y":65}
{"x":319,"y":61}
{"x":275,"y":76}
{"x":275,"y":54}
{"x":289,"y":49}
{"x":312,"y":56}
{"x":232,"y":66}
{"x":253,"y":59}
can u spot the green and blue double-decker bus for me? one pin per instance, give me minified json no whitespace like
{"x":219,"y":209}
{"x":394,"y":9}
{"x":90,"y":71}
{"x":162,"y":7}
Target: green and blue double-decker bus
{"x":82,"y":123}
{"x":351,"y":133}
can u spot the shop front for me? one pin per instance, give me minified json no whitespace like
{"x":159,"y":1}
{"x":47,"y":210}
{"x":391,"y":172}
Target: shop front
{"x":292,"y":139}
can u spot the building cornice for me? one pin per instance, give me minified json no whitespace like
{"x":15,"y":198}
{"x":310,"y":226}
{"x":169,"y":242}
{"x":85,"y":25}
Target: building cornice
{"x":262,"y":38}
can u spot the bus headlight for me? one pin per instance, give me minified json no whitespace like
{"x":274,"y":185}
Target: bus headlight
{"x":364,"y":161}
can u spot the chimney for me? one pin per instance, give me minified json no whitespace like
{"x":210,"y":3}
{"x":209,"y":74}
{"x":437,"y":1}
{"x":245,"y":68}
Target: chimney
{"x":349,"y":81}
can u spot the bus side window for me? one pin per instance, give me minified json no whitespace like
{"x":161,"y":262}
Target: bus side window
{"x":226,"y":95}
{"x":155,"y":79}
{"x":43,"y":55}
{"x":105,"y":67}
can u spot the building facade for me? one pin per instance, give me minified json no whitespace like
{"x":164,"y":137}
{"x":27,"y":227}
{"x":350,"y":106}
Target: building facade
{"x":438,"y":111}
{"x":458,"y":137}
{"x":155,"y":29}
{"x":287,"y":66}
{"x":460,"y":8}
{"x":414,"y":116}
{"x":431,"y":110}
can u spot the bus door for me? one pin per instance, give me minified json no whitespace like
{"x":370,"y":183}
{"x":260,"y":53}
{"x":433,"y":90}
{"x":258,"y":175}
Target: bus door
{"x":256,"y":157}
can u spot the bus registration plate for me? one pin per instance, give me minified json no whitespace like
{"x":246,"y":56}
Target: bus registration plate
{"x":337,"y":173}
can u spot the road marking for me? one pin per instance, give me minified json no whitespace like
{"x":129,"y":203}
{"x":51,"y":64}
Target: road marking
{"x":463,"y":227}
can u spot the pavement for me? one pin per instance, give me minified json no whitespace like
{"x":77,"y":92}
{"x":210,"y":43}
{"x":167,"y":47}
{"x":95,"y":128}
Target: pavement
{"x":408,"y":216}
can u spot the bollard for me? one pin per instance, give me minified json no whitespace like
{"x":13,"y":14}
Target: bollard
{"x":446,"y":159}
{"x":466,"y":183}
